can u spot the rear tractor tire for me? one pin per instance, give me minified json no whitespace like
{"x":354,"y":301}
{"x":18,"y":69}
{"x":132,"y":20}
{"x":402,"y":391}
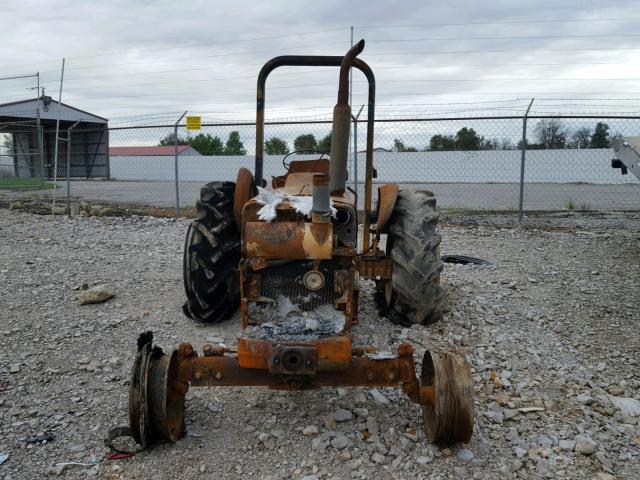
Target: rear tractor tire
{"x":211,"y":256}
{"x":414,"y":246}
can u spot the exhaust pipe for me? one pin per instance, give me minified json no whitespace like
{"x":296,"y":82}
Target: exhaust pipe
{"x":321,"y":210}
{"x":341,"y":124}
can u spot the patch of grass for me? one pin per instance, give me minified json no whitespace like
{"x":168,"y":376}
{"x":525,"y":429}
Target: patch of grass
{"x":18,"y":183}
{"x":570,"y":205}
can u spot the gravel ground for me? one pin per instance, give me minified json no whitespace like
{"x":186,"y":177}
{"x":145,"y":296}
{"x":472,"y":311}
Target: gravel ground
{"x":553,"y":324}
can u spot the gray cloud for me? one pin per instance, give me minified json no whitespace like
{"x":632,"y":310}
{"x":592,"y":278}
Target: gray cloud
{"x":134,"y":58}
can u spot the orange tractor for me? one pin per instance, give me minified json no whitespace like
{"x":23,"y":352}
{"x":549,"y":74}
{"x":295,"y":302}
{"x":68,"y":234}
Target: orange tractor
{"x":291,"y":261}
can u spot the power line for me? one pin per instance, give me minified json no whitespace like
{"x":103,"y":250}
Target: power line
{"x":338,"y":29}
{"x":154,"y":61}
{"x":431,"y":52}
{"x":517,"y":37}
{"x":520,"y":50}
{"x":430,"y":80}
{"x":222,"y":42}
{"x":500,"y":22}
{"x":194,"y":45}
{"x":253,"y":76}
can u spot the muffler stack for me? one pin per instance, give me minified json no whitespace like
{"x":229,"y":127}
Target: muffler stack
{"x":321,"y":210}
{"x":341,"y":123}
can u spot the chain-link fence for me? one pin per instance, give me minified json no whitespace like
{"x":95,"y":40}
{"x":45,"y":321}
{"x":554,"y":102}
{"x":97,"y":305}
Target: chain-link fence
{"x":469,"y":163}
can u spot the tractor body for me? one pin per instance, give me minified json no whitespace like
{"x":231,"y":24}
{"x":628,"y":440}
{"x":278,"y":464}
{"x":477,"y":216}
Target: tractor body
{"x":290,"y":260}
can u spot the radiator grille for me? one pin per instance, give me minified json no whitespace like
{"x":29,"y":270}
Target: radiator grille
{"x":287,"y":281}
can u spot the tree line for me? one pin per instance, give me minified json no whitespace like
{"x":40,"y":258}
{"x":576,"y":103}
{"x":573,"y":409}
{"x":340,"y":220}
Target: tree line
{"x":303,"y":143}
{"x":207,"y":144}
{"x":549,"y":134}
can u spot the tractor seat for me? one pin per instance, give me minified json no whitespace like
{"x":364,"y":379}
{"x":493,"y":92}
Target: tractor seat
{"x":320,"y":165}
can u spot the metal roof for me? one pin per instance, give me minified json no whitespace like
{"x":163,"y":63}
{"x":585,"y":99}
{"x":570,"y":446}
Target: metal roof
{"x":48,"y":111}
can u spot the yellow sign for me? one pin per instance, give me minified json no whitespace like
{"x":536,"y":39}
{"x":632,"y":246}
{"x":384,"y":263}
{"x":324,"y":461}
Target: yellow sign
{"x":193,"y":123}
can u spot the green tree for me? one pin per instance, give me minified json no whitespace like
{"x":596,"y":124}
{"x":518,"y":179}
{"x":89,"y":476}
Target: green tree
{"x":207,"y":144}
{"x":551,"y":133}
{"x":399,"y":146}
{"x":324,"y":145}
{"x":441,"y":143}
{"x":600,"y":138}
{"x":276,"y":146}
{"x":234,"y":145}
{"x":468,"y":139}
{"x":581,"y":138}
{"x":305,"y":142}
{"x":171,"y":140}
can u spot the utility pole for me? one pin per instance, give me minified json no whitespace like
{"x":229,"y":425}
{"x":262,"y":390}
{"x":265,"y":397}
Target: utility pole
{"x":351,"y":103}
{"x":55,"y":155}
{"x":351,"y":74}
{"x":39,"y":126}
{"x":523,"y":151}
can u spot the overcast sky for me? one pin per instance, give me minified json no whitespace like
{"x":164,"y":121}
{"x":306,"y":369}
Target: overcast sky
{"x":439,"y":58}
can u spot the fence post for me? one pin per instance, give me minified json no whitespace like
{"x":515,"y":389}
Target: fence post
{"x":40,"y":142}
{"x":523,"y":150}
{"x":69,"y":165}
{"x":55,"y":154}
{"x":175,"y":142}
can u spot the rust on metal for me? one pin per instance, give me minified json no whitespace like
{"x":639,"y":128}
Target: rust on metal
{"x":209,"y":350}
{"x":361,"y":371}
{"x":333,"y":353}
{"x":449,"y":415}
{"x":166,"y":394}
{"x":245,"y":189}
{"x":427,"y":396}
{"x":299,"y":174}
{"x":317,"y":258}
{"x":374,"y":266}
{"x":387,"y":196}
{"x":291,"y":240}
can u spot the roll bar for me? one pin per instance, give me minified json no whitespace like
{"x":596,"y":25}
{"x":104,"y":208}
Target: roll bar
{"x":316,"y":61}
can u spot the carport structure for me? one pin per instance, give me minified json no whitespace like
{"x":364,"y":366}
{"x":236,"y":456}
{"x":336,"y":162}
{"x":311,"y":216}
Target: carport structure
{"x":29,"y":131}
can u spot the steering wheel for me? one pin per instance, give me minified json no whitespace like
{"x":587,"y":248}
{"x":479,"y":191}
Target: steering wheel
{"x":304,"y":152}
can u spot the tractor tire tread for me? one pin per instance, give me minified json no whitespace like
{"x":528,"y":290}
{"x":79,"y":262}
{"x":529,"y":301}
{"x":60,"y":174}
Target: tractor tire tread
{"x":211,"y":256}
{"x":415,"y":251}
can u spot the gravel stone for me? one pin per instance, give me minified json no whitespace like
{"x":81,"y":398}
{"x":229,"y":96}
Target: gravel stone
{"x":340,"y":442}
{"x":97,"y":294}
{"x":360,"y":398}
{"x":465,"y":455}
{"x":319,"y":443}
{"x":379,"y":397}
{"x":342,"y":415}
{"x":585,"y":445}
{"x":372,"y":425}
{"x":567,"y":445}
{"x":560,"y":351}
{"x":310,"y":430}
